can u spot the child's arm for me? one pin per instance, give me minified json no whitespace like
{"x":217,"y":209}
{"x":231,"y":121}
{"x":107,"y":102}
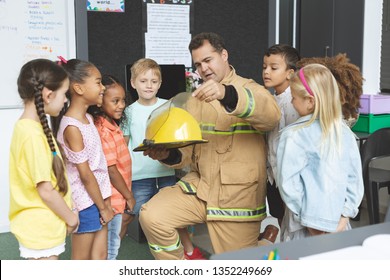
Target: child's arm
{"x":92,"y":187}
{"x":52,"y":198}
{"x":127,"y":139}
{"x":119,"y":183}
{"x":291,"y":160}
{"x":74,"y":140}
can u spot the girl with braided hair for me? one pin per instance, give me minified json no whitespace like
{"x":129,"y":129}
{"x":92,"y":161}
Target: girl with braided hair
{"x":40,"y":201}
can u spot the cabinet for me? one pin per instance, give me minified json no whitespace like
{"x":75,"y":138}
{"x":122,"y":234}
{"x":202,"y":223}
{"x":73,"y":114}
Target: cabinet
{"x":329,"y":27}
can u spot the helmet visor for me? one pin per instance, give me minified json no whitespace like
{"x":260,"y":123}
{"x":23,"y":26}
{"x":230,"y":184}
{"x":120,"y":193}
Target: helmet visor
{"x":171,"y":125}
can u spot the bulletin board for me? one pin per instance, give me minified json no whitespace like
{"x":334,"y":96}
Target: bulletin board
{"x":30,"y":30}
{"x":168,"y":26}
{"x":117,"y":39}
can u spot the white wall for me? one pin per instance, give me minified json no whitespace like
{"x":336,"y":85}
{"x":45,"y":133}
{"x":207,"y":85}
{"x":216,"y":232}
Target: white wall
{"x":372,"y":45}
{"x":371,"y":64}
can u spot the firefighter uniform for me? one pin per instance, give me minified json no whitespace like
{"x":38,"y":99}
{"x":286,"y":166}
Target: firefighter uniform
{"x":226,"y":184}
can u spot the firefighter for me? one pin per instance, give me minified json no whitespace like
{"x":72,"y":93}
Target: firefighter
{"x":225,"y":187}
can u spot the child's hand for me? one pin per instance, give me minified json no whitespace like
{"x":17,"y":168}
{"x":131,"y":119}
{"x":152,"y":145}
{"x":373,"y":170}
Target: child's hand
{"x":73,"y":224}
{"x":342,"y":224}
{"x":107,"y":214}
{"x":130,"y":202}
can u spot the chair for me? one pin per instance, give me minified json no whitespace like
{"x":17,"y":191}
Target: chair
{"x":387,"y":217}
{"x":375,"y":156}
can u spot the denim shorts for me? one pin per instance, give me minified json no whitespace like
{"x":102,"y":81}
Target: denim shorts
{"x":145,"y":189}
{"x":89,"y":220}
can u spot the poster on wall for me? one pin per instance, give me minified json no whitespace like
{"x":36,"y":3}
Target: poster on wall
{"x":168,"y":31}
{"x":117,"y":6}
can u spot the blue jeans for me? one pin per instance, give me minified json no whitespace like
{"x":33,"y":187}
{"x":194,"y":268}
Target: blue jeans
{"x":113,"y":238}
{"x":145,"y":189}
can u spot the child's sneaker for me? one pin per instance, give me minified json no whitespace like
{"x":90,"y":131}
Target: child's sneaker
{"x":196,"y":255}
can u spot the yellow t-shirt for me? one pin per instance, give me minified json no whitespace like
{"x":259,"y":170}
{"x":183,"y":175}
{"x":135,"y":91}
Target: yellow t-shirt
{"x":32,"y":222}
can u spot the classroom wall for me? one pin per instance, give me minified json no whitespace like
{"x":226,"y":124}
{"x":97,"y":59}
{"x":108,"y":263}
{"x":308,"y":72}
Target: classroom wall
{"x":103,"y":49}
{"x":116,"y":39}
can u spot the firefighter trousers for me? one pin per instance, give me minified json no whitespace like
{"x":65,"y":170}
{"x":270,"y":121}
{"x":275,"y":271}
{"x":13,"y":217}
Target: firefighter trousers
{"x":171,"y":209}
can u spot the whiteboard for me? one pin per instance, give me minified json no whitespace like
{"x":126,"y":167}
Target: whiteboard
{"x":32,"y":29}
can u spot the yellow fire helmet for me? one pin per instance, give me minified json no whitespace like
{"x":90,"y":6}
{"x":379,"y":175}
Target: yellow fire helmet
{"x":171,"y":126}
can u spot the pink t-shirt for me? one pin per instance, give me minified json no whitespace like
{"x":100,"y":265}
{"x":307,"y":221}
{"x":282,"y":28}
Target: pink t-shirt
{"x":93,"y":153}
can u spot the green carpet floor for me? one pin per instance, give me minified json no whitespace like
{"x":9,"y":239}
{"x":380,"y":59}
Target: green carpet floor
{"x":130,"y":249}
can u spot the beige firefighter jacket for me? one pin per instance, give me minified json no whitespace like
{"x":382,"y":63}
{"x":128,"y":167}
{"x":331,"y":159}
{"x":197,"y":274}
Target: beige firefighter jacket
{"x":229,"y":172}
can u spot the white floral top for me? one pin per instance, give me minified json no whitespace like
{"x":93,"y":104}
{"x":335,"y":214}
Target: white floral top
{"x":93,"y":153}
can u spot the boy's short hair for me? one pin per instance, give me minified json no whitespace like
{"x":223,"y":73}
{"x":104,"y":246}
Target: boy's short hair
{"x":290,"y":54}
{"x":144,"y":64}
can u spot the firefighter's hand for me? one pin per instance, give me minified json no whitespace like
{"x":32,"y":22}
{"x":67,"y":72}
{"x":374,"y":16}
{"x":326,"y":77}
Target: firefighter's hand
{"x":157,"y":152}
{"x":209,"y":91}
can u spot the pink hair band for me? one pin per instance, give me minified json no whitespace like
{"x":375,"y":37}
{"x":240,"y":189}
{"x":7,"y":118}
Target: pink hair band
{"x":303,"y":80}
{"x":63,"y":60}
